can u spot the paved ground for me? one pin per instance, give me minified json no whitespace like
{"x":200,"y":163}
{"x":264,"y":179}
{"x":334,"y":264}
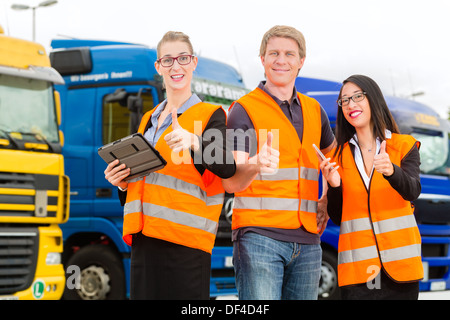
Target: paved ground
{"x":437,"y":295}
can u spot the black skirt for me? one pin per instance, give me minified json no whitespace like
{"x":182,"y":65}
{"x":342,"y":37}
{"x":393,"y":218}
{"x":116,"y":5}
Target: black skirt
{"x":384,"y":288}
{"x":161,"y":270}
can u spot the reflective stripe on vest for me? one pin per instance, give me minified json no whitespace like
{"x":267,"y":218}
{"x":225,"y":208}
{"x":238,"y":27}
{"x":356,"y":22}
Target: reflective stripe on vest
{"x":185,"y":187}
{"x":289,"y":174}
{"x":379,"y":228}
{"x":183,"y":218}
{"x":282,"y":204}
{"x":371,"y":252}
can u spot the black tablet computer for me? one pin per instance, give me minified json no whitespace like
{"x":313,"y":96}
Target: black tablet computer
{"x":136,"y":153}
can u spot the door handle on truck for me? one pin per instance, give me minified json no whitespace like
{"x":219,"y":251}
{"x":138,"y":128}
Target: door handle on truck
{"x":103,"y":193}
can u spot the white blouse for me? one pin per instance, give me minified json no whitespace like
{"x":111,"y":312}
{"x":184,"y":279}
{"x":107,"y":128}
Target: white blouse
{"x":359,"y":160}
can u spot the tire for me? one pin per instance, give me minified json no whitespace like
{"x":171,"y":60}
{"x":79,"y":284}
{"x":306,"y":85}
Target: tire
{"x":328,"y":286}
{"x":101,"y":275}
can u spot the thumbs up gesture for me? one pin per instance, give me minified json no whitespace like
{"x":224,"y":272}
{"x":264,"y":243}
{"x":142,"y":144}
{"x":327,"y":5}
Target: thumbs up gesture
{"x":180,"y":139}
{"x":268,"y":157}
{"x":382,"y":162}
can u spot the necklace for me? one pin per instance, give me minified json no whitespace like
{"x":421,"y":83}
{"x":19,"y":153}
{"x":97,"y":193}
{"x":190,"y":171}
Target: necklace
{"x":368,"y":150}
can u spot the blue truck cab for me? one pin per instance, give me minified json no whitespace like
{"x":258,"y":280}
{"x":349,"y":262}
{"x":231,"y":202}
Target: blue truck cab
{"x":108,"y":86}
{"x":432,"y":208}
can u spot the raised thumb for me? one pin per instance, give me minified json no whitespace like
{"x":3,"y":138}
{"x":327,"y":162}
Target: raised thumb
{"x":269,"y":139}
{"x":175,"y":124}
{"x":383,"y":147}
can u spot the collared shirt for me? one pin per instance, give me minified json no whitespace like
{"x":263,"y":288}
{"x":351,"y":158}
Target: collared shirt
{"x":240,"y":122}
{"x":154,"y":133}
{"x":358,"y":156}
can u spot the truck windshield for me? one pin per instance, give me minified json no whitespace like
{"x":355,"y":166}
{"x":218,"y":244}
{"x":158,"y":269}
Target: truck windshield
{"x":434,"y":151}
{"x":27,"y":106}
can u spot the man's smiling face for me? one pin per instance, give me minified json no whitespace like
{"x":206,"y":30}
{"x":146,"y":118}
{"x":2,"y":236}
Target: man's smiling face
{"x":282,"y":61}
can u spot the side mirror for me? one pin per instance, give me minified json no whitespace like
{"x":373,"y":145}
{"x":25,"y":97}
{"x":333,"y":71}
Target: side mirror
{"x":136,"y":105}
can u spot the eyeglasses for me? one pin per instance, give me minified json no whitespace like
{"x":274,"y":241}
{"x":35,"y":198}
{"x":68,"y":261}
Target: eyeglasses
{"x":169,"y":61}
{"x":356,"y":98}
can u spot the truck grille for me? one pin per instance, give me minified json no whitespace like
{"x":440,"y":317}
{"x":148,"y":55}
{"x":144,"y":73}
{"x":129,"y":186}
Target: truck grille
{"x":18,"y":258}
{"x":28,"y":195}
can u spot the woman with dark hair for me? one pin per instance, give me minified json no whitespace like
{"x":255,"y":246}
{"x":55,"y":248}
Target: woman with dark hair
{"x":369,"y":196}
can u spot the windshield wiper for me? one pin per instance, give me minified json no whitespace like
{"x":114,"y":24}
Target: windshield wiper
{"x":10,"y":138}
{"x":39,"y":137}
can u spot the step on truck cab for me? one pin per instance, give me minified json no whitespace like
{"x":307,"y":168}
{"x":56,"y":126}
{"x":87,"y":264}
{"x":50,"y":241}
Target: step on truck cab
{"x":432,"y":208}
{"x":34,"y":192}
{"x":108,"y":86}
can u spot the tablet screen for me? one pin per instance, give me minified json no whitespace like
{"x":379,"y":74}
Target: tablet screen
{"x":136,"y":153}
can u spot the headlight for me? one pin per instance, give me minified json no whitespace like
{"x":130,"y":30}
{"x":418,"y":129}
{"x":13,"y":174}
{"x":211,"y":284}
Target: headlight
{"x":53,"y":258}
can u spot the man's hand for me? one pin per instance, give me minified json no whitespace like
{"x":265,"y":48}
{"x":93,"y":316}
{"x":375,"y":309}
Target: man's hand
{"x":322,"y":215}
{"x":268,"y":158}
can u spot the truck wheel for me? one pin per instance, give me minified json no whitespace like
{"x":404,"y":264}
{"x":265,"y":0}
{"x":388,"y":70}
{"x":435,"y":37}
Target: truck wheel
{"x":101,"y":274}
{"x":328,"y":286}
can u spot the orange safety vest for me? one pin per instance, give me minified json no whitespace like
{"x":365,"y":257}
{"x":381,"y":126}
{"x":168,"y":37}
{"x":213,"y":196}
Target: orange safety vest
{"x":378,"y":228}
{"x":176,"y":203}
{"x":288,"y":198}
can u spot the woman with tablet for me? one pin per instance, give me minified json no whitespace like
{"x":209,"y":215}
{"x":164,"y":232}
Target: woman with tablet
{"x":171,"y":215}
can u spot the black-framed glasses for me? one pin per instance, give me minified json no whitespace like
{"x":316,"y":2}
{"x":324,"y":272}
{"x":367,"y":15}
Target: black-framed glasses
{"x":183,"y":60}
{"x":357,"y":97}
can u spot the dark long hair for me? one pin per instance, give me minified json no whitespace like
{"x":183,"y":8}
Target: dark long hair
{"x":381,"y":117}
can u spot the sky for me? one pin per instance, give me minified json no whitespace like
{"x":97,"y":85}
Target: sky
{"x":404,"y":45}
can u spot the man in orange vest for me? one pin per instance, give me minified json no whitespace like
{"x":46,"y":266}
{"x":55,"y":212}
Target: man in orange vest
{"x":277,"y":217}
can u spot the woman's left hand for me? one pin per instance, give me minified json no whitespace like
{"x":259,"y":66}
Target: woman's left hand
{"x":180,"y":139}
{"x":382,"y":162}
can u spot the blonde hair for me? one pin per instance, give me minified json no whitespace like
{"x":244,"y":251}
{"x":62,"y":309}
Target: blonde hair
{"x":172,"y":36}
{"x":284,"y":32}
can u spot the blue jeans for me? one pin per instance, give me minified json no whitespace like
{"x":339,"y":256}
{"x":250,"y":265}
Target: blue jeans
{"x":268,"y":269}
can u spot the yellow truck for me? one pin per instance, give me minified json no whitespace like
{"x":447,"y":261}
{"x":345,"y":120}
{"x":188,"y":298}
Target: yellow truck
{"x":34,"y":192}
